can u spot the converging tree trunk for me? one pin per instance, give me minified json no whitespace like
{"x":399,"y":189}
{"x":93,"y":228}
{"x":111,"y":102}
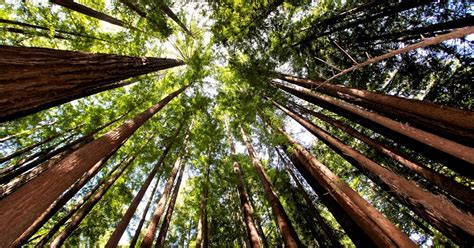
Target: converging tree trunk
{"x":165,"y":9}
{"x":34,"y":79}
{"x":160,"y":240}
{"x":246,"y":208}
{"x":122,"y":225}
{"x":21,"y":208}
{"x":287,"y":230}
{"x":437,"y":210}
{"x":202,"y":238}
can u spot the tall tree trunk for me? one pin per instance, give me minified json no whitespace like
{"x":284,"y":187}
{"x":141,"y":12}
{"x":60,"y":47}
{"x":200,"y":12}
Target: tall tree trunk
{"x":246,"y":208}
{"x":134,"y":240}
{"x":87,"y":207}
{"x":140,"y":12}
{"x":437,"y":210}
{"x":366,"y":226}
{"x":165,"y":9}
{"x":450,"y":186}
{"x":287,"y":230}
{"x":42,"y":156}
{"x":70,"y":4}
{"x":33,"y":79}
{"x":458,"y":157}
{"x":453,"y":123}
{"x":122,"y":225}
{"x":202,"y":239}
{"x":77,"y":205}
{"x":160,"y":207}
{"x":21,"y":208}
{"x":22,"y":24}
{"x":160,"y":241}
{"x":329,"y":237}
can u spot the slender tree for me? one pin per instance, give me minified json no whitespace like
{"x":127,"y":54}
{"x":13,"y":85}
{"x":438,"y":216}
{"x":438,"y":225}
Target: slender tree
{"x":436,"y":210}
{"x":287,"y":230}
{"x":21,"y":208}
{"x":122,"y":225}
{"x":60,"y":81}
{"x":166,"y":10}
{"x":160,"y":240}
{"x":202,"y":238}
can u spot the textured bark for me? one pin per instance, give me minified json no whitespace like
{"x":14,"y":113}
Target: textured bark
{"x":134,"y":240}
{"x":122,"y":225}
{"x":246,"y":208}
{"x":160,"y":207}
{"x":70,"y":4}
{"x":89,"y":205}
{"x":33,"y":79}
{"x":22,"y":24}
{"x":376,"y":229}
{"x":452,"y":123}
{"x":21,"y":208}
{"x":437,"y":210}
{"x":458,"y":157}
{"x":287,"y":230}
{"x":160,"y":240}
{"x":457,"y":190}
{"x":329,"y":237}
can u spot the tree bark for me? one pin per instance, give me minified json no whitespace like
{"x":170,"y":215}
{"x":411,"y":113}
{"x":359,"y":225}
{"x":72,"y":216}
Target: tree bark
{"x":160,"y":207}
{"x":34,"y":79}
{"x":450,"y":186}
{"x":202,"y":238}
{"x":160,"y":241}
{"x":246,"y":208}
{"x":21,"y":208}
{"x":437,"y":210}
{"x":165,"y":9}
{"x":122,"y":225}
{"x":458,"y":157}
{"x":134,"y":240}
{"x":87,"y":207}
{"x":287,"y":230}
{"x":70,"y":4}
{"x":452,"y":123}
{"x":329,"y":237}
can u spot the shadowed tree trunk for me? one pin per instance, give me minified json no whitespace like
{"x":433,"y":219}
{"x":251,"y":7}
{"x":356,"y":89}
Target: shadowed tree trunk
{"x":330,"y":238}
{"x":366,"y":226}
{"x":202,"y":238}
{"x":452,"y":123}
{"x":89,"y":205}
{"x":70,"y":4}
{"x":160,"y":206}
{"x":246,"y":208}
{"x":457,"y":190}
{"x":33,"y":79}
{"x":437,"y":210}
{"x":134,"y":240}
{"x":122,"y":225}
{"x":160,"y":241}
{"x":458,"y":157}
{"x":165,"y":9}
{"x":287,"y":230}
{"x":21,"y":208}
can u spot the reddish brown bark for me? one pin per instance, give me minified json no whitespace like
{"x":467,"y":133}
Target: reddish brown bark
{"x":337,"y":195}
{"x":33,"y":79}
{"x":160,"y":207}
{"x":451,"y":122}
{"x":122,"y":225}
{"x":437,"y":210}
{"x":70,"y":4}
{"x":134,"y":240}
{"x":458,"y":157}
{"x":290,"y":238}
{"x":457,"y":190}
{"x":87,"y":207}
{"x":160,"y":240}
{"x":329,"y":237}
{"x":252,"y":232}
{"x":21,"y":208}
